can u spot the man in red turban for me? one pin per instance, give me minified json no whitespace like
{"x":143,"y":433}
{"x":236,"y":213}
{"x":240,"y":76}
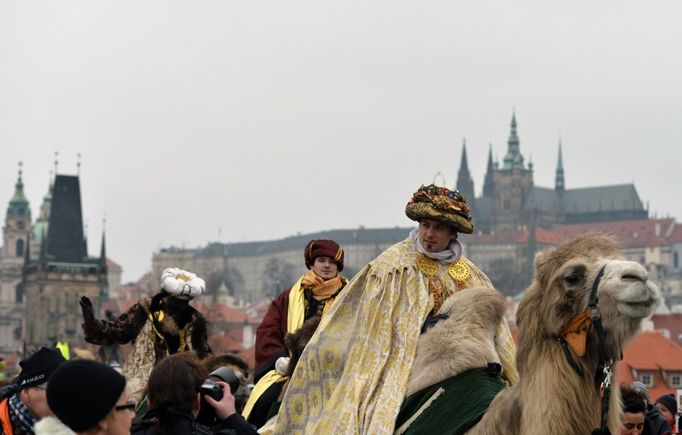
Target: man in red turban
{"x":310,"y":296}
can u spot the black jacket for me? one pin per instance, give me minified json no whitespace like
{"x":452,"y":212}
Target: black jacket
{"x":184,"y":424}
{"x":655,"y":423}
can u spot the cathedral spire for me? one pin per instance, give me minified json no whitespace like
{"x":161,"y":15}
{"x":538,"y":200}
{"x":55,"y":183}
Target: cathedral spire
{"x":513,"y":159}
{"x":559,"y":185}
{"x":18,"y":205}
{"x":103,"y":246}
{"x":465,"y":184}
{"x":488,"y":181}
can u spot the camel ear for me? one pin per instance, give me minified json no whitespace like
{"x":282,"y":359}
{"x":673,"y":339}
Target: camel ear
{"x":540,"y":259}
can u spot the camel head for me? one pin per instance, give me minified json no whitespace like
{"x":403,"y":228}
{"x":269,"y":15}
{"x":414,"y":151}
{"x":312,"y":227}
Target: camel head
{"x":563,"y":281}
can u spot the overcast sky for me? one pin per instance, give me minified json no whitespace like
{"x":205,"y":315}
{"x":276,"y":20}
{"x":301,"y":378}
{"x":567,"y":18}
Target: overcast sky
{"x":271,"y":118}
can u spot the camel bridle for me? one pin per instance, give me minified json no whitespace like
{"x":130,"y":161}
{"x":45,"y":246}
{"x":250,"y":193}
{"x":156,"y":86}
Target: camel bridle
{"x":575,"y":334}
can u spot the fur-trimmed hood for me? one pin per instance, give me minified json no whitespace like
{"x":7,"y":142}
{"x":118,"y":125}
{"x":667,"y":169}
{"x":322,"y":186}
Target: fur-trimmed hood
{"x":52,"y":426}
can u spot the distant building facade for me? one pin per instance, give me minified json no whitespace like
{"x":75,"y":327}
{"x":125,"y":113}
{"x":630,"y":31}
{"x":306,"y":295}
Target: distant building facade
{"x":510,"y":200}
{"x":16,"y":244}
{"x":256,"y":270}
{"x":514,"y":219}
{"x":53,"y":282}
{"x":27,"y":249}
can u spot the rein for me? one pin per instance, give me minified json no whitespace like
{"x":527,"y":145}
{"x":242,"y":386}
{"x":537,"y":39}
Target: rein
{"x":573,"y":340}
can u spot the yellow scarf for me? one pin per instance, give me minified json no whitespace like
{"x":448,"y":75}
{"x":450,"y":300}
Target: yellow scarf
{"x":322,"y":290}
{"x":268,"y":379}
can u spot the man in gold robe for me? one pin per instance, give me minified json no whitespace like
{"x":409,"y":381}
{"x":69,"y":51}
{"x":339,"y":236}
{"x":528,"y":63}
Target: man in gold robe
{"x":354,"y":372}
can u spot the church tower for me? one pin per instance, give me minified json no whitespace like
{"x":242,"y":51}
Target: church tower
{"x":512,"y":183}
{"x":465,"y":184}
{"x":15,"y":234}
{"x":62,"y":273}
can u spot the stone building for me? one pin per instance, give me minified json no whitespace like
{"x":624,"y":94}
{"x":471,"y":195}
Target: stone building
{"x":514,"y":219}
{"x":16,"y":244}
{"x":262,"y":269}
{"x":62,"y":272}
{"x":510,"y":199}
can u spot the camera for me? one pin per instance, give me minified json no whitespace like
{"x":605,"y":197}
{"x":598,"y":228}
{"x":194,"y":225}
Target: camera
{"x":210,"y":388}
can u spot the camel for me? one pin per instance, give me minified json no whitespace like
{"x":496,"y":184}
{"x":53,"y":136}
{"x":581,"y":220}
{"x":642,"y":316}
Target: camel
{"x":559,"y":390}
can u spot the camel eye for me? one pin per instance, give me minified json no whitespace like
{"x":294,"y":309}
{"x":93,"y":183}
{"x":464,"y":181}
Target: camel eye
{"x":572,"y":279}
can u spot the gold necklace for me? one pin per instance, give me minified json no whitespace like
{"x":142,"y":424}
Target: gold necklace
{"x":427,"y":265}
{"x":459,"y":271}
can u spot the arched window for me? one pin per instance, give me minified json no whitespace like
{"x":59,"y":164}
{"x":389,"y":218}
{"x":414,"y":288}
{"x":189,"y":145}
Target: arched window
{"x":20,"y":247}
{"x":676,"y":259}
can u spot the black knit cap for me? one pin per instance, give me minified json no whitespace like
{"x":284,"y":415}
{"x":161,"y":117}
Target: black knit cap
{"x":82,"y":392}
{"x":37,"y":368}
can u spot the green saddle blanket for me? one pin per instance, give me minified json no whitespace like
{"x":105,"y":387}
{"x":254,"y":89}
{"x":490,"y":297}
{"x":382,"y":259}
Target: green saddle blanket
{"x":450,"y":407}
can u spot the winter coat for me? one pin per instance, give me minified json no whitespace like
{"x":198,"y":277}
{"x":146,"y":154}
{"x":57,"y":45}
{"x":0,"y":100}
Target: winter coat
{"x":52,"y":426}
{"x":655,"y":423}
{"x":184,"y":424}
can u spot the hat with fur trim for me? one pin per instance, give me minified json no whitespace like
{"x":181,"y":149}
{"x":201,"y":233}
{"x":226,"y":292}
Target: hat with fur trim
{"x":440,"y":204}
{"x":323,"y":248}
{"x":182,"y":284}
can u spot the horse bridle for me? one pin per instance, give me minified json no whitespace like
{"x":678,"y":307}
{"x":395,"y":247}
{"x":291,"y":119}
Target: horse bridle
{"x":605,"y":360}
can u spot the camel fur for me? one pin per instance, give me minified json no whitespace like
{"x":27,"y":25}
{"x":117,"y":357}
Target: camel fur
{"x":551,"y":397}
{"x":462,"y":341}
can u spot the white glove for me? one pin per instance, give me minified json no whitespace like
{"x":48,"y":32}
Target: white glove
{"x":282,"y":365}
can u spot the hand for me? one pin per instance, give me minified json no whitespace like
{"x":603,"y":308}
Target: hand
{"x":225,"y":406}
{"x":282,"y":365}
{"x":86,"y":308}
{"x":91,"y":326}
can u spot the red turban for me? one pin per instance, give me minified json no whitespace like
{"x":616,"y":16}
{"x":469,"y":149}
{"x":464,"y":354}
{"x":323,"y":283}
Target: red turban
{"x":323,"y":248}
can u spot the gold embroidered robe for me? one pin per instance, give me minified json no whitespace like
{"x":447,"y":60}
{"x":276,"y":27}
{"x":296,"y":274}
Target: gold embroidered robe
{"x":353,"y":373}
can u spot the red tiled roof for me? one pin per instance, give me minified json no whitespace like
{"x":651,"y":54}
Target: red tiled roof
{"x":112,"y":263}
{"x":542,"y":235}
{"x":221,"y":343}
{"x":631,"y":234}
{"x":224,"y":313}
{"x":676,"y":235}
{"x":670,"y":322}
{"x":651,"y":352}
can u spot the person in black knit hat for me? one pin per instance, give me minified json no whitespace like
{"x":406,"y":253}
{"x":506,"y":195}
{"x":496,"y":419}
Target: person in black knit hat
{"x":25,"y":403}
{"x":87,"y":397}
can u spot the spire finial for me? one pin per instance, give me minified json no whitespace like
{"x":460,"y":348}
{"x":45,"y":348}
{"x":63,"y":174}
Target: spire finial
{"x":21,"y":164}
{"x":78,"y":164}
{"x":56,"y":162}
{"x":103,"y":246}
{"x":559,"y":180}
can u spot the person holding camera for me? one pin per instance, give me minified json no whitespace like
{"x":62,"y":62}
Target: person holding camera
{"x":177,"y":391}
